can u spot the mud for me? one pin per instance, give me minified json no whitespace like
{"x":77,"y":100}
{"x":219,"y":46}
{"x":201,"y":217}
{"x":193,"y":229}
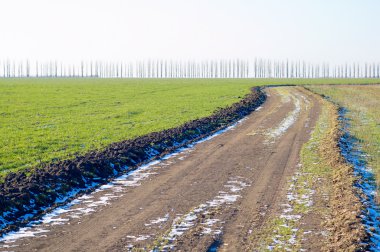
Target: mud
{"x":26,"y":195}
{"x":224,"y":189}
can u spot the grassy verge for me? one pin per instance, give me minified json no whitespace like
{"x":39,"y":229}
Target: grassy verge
{"x":363,"y":104}
{"x":43,"y":120}
{"x":285,"y":232}
{"x":344,"y":224}
{"x":321,"y":211}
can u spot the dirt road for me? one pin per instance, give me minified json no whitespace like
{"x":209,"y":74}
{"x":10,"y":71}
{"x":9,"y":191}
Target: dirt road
{"x":220,"y":192}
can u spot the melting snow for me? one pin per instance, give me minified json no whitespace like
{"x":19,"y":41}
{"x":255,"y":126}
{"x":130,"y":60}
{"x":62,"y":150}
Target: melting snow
{"x":287,"y":122}
{"x":158,"y":220}
{"x":289,"y":216}
{"x":181,"y":224}
{"x":88,"y":204}
{"x":22,"y":233}
{"x":351,"y":150}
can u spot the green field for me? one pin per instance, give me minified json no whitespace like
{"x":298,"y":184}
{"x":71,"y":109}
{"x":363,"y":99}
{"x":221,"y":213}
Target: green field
{"x":49,"y":119}
{"x":363,"y":104}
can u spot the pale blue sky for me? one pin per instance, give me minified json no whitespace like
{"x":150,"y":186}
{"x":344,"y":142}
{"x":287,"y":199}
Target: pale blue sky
{"x":320,"y":30}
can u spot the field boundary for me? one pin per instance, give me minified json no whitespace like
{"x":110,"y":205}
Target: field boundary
{"x":27,"y":194}
{"x":345,"y":227}
{"x":331,"y":84}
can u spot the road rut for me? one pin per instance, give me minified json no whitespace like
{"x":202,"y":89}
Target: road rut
{"x":224,"y":189}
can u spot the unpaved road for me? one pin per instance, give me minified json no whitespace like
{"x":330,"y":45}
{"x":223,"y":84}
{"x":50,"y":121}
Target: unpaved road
{"x":223,"y":189}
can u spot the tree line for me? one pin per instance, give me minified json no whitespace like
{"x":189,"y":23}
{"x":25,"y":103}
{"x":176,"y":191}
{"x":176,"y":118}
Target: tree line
{"x":258,"y":68}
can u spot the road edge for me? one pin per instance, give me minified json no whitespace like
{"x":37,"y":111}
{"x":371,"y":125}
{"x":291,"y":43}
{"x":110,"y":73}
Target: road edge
{"x":28,"y":194}
{"x":346,"y":231}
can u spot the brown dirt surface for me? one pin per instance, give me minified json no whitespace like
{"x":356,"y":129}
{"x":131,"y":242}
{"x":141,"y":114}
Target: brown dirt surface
{"x":224,"y":189}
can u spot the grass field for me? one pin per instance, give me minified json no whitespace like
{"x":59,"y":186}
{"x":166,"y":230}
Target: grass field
{"x":47,"y":119}
{"x":363,"y":104}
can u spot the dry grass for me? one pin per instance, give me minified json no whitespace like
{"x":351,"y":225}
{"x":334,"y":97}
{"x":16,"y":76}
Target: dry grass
{"x":346,"y":229}
{"x":363,"y":104}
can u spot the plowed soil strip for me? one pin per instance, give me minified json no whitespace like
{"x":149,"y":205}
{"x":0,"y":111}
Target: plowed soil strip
{"x":223,"y":189}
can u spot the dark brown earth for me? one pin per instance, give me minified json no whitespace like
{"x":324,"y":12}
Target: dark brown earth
{"x":246,"y":156}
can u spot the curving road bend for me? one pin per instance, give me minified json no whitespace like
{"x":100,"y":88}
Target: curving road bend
{"x":219,"y":192}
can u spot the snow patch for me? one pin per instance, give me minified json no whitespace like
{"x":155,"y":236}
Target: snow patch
{"x":286,"y":123}
{"x":298,"y":194}
{"x":366,"y":183}
{"x":158,"y":220}
{"x":88,"y":204}
{"x":183,"y":223}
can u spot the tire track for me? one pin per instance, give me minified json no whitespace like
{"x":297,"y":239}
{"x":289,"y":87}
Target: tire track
{"x":194,"y":180}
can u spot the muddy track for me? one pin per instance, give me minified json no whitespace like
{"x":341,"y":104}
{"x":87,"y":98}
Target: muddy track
{"x":224,"y":189}
{"x":28,"y":194}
